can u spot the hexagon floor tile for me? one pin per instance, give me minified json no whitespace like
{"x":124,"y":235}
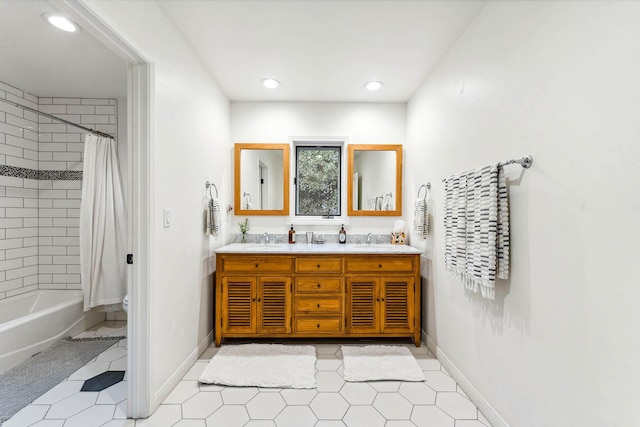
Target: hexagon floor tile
{"x":436,"y":402}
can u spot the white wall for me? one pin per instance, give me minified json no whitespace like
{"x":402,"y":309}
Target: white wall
{"x":277,"y":122}
{"x":40,"y":195}
{"x":558,"y":80}
{"x":190,"y":145}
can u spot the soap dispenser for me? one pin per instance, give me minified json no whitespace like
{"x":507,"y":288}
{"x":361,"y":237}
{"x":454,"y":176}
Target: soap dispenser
{"x":342,"y":235}
{"x":292,"y":235}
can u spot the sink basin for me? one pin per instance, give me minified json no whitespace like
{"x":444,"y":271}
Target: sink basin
{"x":262,"y":246}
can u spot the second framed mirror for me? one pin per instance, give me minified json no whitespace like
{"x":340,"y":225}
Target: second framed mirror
{"x":261,"y":179}
{"x":374,"y":180}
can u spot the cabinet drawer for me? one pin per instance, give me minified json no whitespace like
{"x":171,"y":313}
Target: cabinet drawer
{"x":377,"y":264}
{"x":318,"y":325}
{"x":319,"y":305}
{"x":256,"y":265}
{"x":319,"y":265}
{"x":318,"y":285}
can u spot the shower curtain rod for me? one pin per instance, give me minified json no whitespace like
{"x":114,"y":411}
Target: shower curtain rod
{"x":15,"y":104}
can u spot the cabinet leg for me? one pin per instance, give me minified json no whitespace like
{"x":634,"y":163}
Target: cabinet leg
{"x":416,"y":339}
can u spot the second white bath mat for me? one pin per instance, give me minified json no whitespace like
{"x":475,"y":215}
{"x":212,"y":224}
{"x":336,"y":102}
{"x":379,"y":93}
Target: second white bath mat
{"x":380,"y":362}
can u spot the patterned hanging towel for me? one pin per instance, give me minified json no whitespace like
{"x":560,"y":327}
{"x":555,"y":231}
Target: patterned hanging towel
{"x":420,"y":219}
{"x":214,"y":221}
{"x":477,"y":228}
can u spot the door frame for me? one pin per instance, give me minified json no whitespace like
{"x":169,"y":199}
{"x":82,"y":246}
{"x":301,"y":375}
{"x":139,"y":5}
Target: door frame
{"x":140,"y":83}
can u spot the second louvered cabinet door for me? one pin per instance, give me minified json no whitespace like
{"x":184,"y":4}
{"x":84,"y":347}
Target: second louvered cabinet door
{"x":274,"y":305}
{"x":397,"y":304}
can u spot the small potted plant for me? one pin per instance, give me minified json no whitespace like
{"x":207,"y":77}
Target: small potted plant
{"x":244,"y":227}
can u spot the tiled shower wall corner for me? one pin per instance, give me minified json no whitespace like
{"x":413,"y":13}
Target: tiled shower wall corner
{"x":40,"y":200}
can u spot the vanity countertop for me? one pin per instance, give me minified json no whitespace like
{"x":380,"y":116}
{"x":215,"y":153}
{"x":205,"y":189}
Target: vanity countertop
{"x":326,"y":248}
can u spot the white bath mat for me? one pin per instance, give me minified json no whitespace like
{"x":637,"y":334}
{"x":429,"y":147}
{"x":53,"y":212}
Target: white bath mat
{"x":262,"y":365}
{"x":380,"y":362}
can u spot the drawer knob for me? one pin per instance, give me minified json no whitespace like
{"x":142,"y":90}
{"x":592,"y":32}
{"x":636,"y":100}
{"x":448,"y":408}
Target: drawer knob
{"x":318,"y":265}
{"x":256,"y":265}
{"x":318,"y":305}
{"x":318,"y":325}
{"x":380,"y":265}
{"x":318,"y":284}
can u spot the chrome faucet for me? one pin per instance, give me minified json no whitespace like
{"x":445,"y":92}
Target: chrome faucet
{"x":266,"y":238}
{"x":369,"y":238}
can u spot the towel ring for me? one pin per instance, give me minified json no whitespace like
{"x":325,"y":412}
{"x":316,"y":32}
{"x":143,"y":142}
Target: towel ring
{"x":427,"y":187}
{"x":209,"y":185}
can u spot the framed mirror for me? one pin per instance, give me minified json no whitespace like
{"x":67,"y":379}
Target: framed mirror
{"x":261,"y":179}
{"x":374,"y":180}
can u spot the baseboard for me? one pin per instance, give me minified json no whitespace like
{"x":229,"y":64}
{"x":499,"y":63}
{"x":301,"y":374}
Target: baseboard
{"x":474,"y":395}
{"x":174,"y":379}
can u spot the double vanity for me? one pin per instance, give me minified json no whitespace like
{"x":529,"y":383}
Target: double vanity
{"x":314,"y":291}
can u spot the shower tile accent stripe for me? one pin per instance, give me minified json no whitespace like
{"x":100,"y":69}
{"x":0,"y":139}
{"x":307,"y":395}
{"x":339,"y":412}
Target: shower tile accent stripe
{"x":41,"y":186}
{"x":35,"y":174}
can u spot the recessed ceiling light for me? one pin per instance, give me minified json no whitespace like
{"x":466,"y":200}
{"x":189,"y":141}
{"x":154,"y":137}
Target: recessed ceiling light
{"x":270,"y":83}
{"x":60,"y":22}
{"x":374,"y":85}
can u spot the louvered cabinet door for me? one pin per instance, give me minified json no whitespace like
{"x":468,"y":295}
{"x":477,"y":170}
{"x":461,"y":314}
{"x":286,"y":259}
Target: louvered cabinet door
{"x":397,"y":304}
{"x":362,"y":305}
{"x":238,"y":304}
{"x":274,"y":305}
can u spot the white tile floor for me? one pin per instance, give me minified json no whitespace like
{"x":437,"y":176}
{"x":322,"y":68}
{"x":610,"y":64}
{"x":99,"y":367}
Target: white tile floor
{"x":436,"y":402}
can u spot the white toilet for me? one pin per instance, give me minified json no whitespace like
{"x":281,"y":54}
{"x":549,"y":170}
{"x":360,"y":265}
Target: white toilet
{"x":125,"y":304}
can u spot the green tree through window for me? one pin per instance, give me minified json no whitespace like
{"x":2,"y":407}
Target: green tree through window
{"x":317,"y":181}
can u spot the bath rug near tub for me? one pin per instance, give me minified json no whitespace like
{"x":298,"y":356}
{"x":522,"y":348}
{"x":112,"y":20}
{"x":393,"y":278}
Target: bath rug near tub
{"x":262,"y":365}
{"x":35,"y":376}
{"x":380,"y":362}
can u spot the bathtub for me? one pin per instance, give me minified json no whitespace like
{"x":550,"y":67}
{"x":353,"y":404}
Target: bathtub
{"x":31,"y":322}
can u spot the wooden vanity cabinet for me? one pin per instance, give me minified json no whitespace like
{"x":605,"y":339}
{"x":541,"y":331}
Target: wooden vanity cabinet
{"x":324,"y":295}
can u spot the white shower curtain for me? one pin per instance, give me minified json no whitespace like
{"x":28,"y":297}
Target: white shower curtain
{"x":103,"y":227}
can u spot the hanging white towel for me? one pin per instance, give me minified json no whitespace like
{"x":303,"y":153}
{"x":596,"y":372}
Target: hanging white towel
{"x":103,"y":227}
{"x":477,"y":228}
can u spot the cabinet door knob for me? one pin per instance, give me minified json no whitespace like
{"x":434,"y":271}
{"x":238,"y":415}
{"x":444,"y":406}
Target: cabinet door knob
{"x":318,"y":265}
{"x":256,"y":265}
{"x":318,"y":284}
{"x":379,"y":265}
{"x":318,"y":305}
{"x":318,"y":325}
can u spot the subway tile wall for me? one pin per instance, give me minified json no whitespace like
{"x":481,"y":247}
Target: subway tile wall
{"x":39,"y":218}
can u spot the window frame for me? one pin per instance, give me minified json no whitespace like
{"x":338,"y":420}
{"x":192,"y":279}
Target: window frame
{"x":340,"y":142}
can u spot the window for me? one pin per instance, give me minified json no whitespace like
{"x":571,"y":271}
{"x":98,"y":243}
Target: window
{"x":318,"y":181}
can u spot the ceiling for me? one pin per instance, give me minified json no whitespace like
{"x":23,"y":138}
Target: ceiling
{"x":320,"y":50}
{"x":47,"y":62}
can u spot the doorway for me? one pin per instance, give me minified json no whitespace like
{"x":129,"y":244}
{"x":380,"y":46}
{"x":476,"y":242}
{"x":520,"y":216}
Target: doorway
{"x":139,"y":92}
